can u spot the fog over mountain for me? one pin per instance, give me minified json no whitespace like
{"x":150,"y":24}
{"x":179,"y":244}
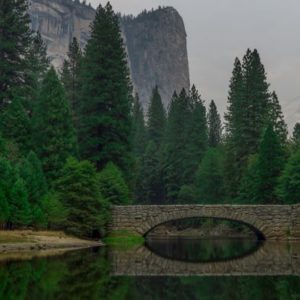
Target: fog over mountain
{"x":218,"y":31}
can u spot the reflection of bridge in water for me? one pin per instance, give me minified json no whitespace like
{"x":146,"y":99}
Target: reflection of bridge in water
{"x":273,"y":258}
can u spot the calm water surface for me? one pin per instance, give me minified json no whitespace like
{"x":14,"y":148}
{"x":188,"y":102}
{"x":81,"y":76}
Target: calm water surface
{"x":164,"y":269}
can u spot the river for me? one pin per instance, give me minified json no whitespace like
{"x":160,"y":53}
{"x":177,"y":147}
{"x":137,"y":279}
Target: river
{"x":160,"y":269}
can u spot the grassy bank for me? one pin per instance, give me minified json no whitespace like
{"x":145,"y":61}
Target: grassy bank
{"x":124,"y":239}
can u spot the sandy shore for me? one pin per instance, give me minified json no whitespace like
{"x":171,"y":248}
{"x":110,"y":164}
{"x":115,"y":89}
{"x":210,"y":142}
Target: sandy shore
{"x":34,"y":241}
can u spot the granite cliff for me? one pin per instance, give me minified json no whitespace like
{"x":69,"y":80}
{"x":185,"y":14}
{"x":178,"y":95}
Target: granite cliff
{"x":155,"y":42}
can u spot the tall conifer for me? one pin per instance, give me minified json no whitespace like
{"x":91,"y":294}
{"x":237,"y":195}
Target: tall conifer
{"x":214,"y":125}
{"x":54,"y":136}
{"x":106,"y":95}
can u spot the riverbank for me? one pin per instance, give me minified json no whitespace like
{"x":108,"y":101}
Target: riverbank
{"x":27,"y":240}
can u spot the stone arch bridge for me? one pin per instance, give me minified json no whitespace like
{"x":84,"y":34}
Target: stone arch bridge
{"x":271,"y":222}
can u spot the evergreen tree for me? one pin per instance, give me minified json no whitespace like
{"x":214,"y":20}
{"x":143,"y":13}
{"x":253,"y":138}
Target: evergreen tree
{"x":78,"y":189}
{"x":113,"y":186}
{"x":4,"y":210}
{"x":195,"y":135}
{"x":139,"y":130}
{"x":214,"y":125}
{"x":156,"y":118}
{"x":70,"y":77}
{"x":54,"y":136}
{"x":248,"y":115}
{"x":30,"y":170}
{"x":149,"y":186}
{"x":21,"y":214}
{"x":296,"y":135}
{"x":55,"y":213}
{"x":209,"y":178}
{"x":15,"y":39}
{"x":249,"y":183}
{"x":174,"y":148}
{"x":289,"y":182}
{"x":15,"y":125}
{"x":277,"y":119}
{"x":263,"y":176}
{"x":106,"y":95}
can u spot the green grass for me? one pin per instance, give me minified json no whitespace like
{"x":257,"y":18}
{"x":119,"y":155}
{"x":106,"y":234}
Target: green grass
{"x":124,"y":240}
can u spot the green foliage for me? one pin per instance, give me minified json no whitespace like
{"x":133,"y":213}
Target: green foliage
{"x":70,"y":77}
{"x":106,"y":95}
{"x":188,"y":194}
{"x":209,"y":178}
{"x":289,"y":182}
{"x":4,"y":209}
{"x":15,"y":39}
{"x":20,"y":210}
{"x":113,"y":186}
{"x":156,"y":118}
{"x":296,"y":135}
{"x":250,"y":109}
{"x":149,"y":186}
{"x":54,"y":136}
{"x":55,"y":212}
{"x":138,"y":129}
{"x":15,"y":125}
{"x":214,"y":125}
{"x":78,"y":190}
{"x":271,"y":160}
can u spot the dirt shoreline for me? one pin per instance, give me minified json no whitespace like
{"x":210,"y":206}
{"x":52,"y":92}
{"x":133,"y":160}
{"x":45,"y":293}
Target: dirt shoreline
{"x":31,"y":241}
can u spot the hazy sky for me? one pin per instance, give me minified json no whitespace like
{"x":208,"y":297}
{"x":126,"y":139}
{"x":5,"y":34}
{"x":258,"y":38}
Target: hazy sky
{"x":220,"y":30}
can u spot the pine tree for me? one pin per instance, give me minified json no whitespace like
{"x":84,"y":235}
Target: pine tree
{"x":277,"y":119}
{"x":113,"y":186}
{"x":296,"y":135}
{"x":209,"y":178}
{"x":156,"y":118}
{"x":270,"y":163}
{"x":175,"y":145}
{"x":70,"y":77}
{"x":38,"y":62}
{"x":4,"y":210}
{"x":53,"y":131}
{"x":214,"y":125}
{"x":15,"y":125}
{"x":138,"y":128}
{"x":106,"y":95}
{"x":289,"y":182}
{"x":15,"y":39}
{"x":196,"y":135}
{"x":21,"y":214}
{"x":78,"y":189}
{"x":55,"y":213}
{"x":247,"y":117}
{"x":30,"y":170}
{"x":149,"y":186}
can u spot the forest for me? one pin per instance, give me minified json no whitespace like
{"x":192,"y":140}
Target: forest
{"x":75,"y":141}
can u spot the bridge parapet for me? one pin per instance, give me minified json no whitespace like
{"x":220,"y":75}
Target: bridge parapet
{"x":274,"y":222}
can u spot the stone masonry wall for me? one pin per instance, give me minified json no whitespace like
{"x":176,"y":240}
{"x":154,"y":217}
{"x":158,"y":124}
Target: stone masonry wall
{"x":275,"y":222}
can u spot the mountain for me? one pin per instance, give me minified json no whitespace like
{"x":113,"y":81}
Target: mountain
{"x":155,"y":42}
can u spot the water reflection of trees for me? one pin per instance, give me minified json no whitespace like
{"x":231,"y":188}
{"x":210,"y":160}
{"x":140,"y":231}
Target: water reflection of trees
{"x":86,"y":275}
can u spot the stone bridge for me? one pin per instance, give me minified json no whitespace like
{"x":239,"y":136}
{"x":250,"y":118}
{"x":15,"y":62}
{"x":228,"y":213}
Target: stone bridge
{"x":272,"y":259}
{"x":271,"y":222}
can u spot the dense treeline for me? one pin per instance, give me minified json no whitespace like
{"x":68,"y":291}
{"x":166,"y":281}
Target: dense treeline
{"x":190,"y":157}
{"x":73,"y":143}
{"x":65,"y":141}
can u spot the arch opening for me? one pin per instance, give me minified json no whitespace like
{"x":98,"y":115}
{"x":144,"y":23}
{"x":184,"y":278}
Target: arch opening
{"x":183,"y":223}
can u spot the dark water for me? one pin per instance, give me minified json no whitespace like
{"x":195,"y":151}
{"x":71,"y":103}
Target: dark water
{"x":106,"y":273}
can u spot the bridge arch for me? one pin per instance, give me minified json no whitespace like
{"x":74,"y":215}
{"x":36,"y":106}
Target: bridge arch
{"x":275,"y":222}
{"x":260,"y":235}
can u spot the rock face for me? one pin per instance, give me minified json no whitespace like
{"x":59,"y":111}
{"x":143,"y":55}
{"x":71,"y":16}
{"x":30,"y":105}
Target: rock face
{"x":59,"y":21}
{"x":155,"y":42}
